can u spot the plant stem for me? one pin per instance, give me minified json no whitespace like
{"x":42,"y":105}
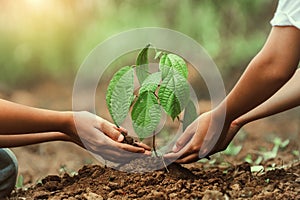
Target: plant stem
{"x":163,"y":160}
{"x":153,"y":144}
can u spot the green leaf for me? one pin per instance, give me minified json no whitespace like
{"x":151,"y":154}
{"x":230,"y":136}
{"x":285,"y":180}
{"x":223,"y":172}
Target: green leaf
{"x":151,"y":83}
{"x":267,"y":180}
{"x":232,"y":149}
{"x":20,"y":182}
{"x":284,"y":143}
{"x":296,"y":153}
{"x":270,"y":154}
{"x":142,"y":69}
{"x":190,"y":114}
{"x":119,"y":94}
{"x":146,"y":114}
{"x":173,"y":93}
{"x":258,"y":160}
{"x":168,"y":61}
{"x":257,"y":168}
{"x":277,"y":141}
{"x":248,"y":158}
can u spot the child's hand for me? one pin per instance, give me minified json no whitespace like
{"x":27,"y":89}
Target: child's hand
{"x":104,"y":138}
{"x":199,"y":140}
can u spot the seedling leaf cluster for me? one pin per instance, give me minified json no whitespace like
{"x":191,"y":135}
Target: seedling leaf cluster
{"x":165,"y":90}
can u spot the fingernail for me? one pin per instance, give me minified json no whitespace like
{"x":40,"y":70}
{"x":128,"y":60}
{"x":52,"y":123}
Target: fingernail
{"x":142,"y":151}
{"x":120,"y":138}
{"x":175,"y":148}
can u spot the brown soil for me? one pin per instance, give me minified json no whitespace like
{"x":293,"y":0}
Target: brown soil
{"x":129,"y":140}
{"x":96,"y":182}
{"x":60,"y":170}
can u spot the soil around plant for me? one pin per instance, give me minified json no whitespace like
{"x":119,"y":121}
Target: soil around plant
{"x":43,"y":166}
{"x":129,"y":140}
{"x":153,"y":163}
{"x":198,"y":182}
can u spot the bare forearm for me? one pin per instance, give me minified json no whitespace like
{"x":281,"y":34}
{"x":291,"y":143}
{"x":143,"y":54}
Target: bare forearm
{"x":7,"y":141}
{"x":253,"y":89}
{"x":20,"y":119}
{"x":267,"y":72}
{"x":284,"y":99}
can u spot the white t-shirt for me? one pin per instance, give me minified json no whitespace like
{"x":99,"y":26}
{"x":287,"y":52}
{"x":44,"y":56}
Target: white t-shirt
{"x":287,"y":14}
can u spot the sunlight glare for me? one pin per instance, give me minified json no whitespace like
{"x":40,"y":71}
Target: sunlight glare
{"x":37,"y":4}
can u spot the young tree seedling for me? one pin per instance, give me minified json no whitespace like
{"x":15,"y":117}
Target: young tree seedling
{"x":166,"y":90}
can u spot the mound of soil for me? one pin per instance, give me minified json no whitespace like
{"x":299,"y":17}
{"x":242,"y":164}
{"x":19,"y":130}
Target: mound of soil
{"x":197,"y":182}
{"x":153,"y":163}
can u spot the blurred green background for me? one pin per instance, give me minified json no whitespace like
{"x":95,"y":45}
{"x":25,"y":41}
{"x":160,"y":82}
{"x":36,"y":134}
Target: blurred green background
{"x":47,"y":40}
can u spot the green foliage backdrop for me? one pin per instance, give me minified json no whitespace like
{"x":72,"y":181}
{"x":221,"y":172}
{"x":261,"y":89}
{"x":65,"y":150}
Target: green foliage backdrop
{"x":49,"y":39}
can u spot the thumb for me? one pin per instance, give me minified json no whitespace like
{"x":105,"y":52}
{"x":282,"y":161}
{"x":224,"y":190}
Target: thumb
{"x":183,"y":139}
{"x":114,"y":134}
{"x":112,"y":131}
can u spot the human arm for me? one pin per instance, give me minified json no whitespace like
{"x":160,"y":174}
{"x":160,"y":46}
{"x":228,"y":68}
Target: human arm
{"x":23,"y":125}
{"x":20,"y":119}
{"x":287,"y":97}
{"x":270,"y":69}
{"x":17,"y":119}
{"x":17,"y":140}
{"x":273,"y":66}
{"x":284,"y":99}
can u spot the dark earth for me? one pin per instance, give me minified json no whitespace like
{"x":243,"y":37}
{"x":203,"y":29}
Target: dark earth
{"x":196,"y":182}
{"x":60,"y":170}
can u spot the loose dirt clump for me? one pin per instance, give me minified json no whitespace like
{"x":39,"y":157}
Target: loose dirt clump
{"x":96,"y":182}
{"x":153,"y":163}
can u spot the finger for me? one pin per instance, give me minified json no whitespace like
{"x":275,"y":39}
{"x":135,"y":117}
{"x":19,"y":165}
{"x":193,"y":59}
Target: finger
{"x":119,"y":155}
{"x":179,"y":154}
{"x":114,"y":154}
{"x":146,"y":147}
{"x":122,"y":130}
{"x":131,"y":148}
{"x":216,"y":149}
{"x":171,"y":156}
{"x":183,"y":156}
{"x":188,"y":159}
{"x":148,"y":153}
{"x":184,"y":139}
{"x":210,"y":147}
{"x":203,"y":153}
{"x":111,"y":131}
{"x":190,"y":149}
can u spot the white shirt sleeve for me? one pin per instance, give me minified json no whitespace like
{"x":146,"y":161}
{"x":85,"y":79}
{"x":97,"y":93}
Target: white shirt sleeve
{"x":287,"y":14}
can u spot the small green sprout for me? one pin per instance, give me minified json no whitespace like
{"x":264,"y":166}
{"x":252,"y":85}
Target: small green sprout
{"x":248,"y":158}
{"x":20,"y":181}
{"x":267,"y":180}
{"x":296,"y":153}
{"x":232,"y":150}
{"x":257,"y":168}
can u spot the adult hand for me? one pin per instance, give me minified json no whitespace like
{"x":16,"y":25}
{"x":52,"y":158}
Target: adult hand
{"x":104,"y":138}
{"x":200,"y":139}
